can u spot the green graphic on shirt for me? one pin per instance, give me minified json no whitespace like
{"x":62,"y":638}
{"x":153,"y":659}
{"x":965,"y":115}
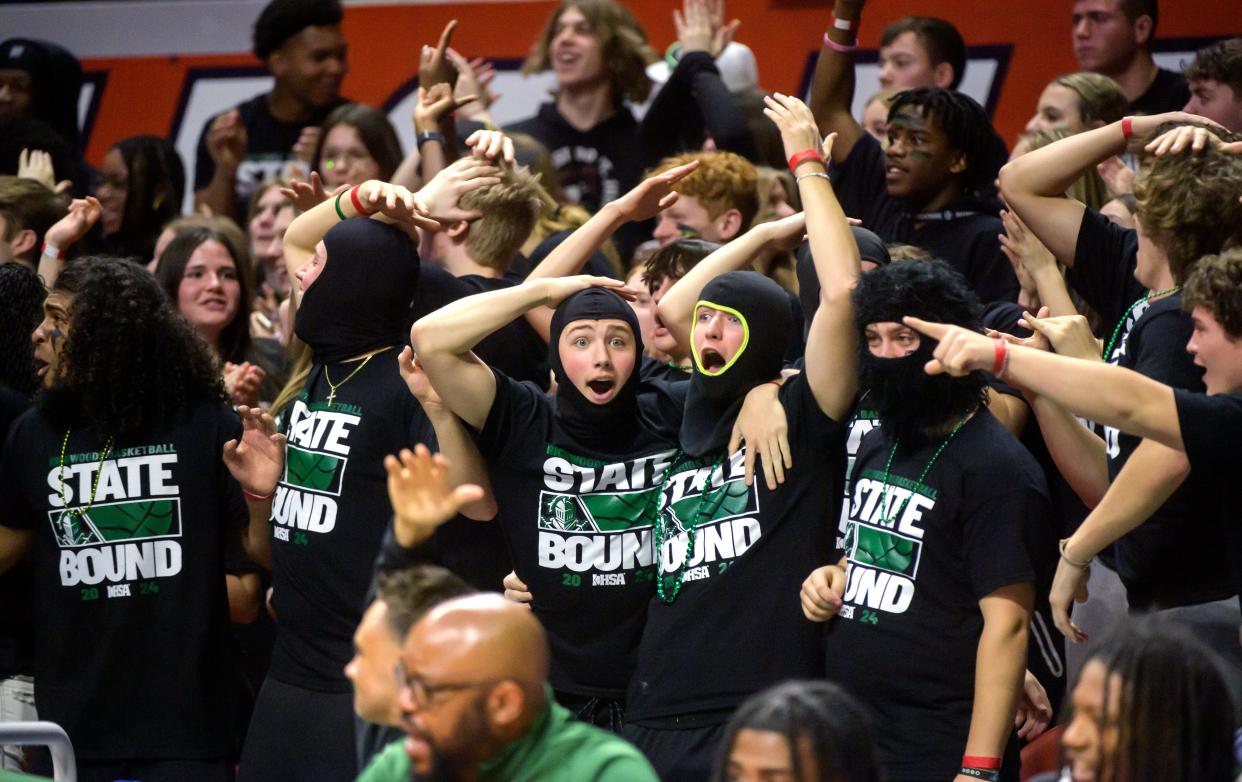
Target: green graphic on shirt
{"x":732,"y":499}
{"x":117,"y":523}
{"x":886,"y":550}
{"x":315,"y":471}
{"x":610,"y":512}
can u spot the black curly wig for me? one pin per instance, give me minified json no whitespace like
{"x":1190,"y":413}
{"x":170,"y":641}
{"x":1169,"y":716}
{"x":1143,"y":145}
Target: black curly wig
{"x":130,"y":360}
{"x":22,"y":293}
{"x":931,"y":290}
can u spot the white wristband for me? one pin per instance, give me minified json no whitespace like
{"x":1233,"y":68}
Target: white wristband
{"x":843,"y":24}
{"x":52,"y":251}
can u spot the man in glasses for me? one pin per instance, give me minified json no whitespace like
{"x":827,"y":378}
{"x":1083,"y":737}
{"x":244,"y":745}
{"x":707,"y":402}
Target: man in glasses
{"x":475,"y":704}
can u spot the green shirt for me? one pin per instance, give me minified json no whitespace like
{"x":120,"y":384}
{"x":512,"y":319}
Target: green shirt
{"x":556,"y":748}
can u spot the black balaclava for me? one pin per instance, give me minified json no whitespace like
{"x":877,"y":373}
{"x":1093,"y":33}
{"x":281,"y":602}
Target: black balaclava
{"x":715,"y":399}
{"x":907,"y":399}
{"x":870,"y":248}
{"x":56,"y":80}
{"x":361,"y":300}
{"x":611,"y":424}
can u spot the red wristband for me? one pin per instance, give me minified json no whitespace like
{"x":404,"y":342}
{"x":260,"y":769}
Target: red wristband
{"x":1127,"y":127}
{"x":998,"y":367}
{"x":257,"y":497}
{"x":353,"y":199}
{"x":974,"y":761}
{"x":798,"y":158}
{"x":777,"y":383}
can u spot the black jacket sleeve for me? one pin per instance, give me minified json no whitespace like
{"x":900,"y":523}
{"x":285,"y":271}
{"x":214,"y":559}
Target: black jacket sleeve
{"x":693,"y":99}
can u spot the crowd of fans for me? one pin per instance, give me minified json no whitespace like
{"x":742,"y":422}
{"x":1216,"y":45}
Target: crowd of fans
{"x":748,"y":440}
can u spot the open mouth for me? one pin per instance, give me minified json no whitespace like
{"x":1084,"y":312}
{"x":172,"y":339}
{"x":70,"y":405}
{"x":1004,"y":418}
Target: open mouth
{"x":711,"y":360}
{"x":600,"y":389}
{"x":41,"y":367}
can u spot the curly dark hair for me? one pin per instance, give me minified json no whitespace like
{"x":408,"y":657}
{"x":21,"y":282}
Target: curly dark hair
{"x":1220,"y":62}
{"x":830,"y":722}
{"x":235,"y":338}
{"x":966,"y":126}
{"x":1216,"y":285}
{"x":129,"y":358}
{"x":933,"y":291}
{"x":280,"y":20}
{"x":22,"y":292}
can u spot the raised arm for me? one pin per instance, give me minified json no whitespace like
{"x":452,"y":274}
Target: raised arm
{"x":445,"y":338}
{"x":67,"y":231}
{"x":646,"y":200}
{"x":832,"y":343}
{"x":1034,"y":185}
{"x":423,"y":495}
{"x":464,"y":463}
{"x":832,"y":86}
{"x":1110,"y":395}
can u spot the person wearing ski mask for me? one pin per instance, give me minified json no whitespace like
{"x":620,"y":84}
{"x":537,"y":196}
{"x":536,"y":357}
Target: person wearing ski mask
{"x":322,"y":483}
{"x":724,"y":624}
{"x":933,"y":597}
{"x":579,"y":474}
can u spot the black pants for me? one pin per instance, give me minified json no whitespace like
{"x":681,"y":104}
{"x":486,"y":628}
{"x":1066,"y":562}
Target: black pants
{"x":299,"y":735}
{"x":678,"y":754}
{"x":606,"y":713}
{"x":150,"y":770}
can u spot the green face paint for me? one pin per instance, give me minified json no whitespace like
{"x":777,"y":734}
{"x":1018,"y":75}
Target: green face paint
{"x":919,"y":154}
{"x":329,"y":164}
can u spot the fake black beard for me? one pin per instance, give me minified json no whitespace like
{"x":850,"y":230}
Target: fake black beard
{"x":911,"y":402}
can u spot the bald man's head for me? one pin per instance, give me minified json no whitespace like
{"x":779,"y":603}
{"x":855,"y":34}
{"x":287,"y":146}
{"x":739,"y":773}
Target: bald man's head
{"x":475,"y":669}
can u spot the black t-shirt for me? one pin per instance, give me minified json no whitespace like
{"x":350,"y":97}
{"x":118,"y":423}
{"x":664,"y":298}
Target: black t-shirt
{"x":1105,"y":256}
{"x":906,"y":639}
{"x":330,"y":512}
{"x":736,"y":626}
{"x":269,"y":146}
{"x":134,"y":657}
{"x":1163,"y":563}
{"x":1169,"y":92}
{"x":16,"y":634}
{"x":595,"y":166}
{"x":968,"y":240}
{"x":1211,"y":429}
{"x":515,"y":349}
{"x":578,"y":526}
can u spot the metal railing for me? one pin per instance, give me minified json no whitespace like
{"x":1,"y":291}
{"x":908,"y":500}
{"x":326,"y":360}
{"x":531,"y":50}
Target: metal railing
{"x":47,"y":734}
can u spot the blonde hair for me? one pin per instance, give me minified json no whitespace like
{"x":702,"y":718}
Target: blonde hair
{"x":1100,"y":99}
{"x":300,"y":370}
{"x":510,"y":209}
{"x":1089,"y":189}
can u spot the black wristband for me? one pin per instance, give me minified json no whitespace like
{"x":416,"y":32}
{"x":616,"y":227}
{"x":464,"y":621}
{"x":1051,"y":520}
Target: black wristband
{"x":988,"y":774}
{"x":428,"y":135}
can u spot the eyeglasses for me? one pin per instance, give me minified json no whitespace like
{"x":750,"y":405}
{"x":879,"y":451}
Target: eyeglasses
{"x":424,"y":692}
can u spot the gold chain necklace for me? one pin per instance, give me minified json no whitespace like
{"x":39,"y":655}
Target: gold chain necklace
{"x":64,"y":501}
{"x":333,"y":386}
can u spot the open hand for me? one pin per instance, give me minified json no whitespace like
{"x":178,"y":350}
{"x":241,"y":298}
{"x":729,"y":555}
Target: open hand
{"x":557,"y":289}
{"x":439,"y":198}
{"x":762,"y":425}
{"x":796,"y":123}
{"x":37,"y":165}
{"x":490,"y":143}
{"x":420,"y":495}
{"x":83,"y":214}
{"x":1034,"y":713}
{"x":242,"y":381}
{"x":258,"y":460}
{"x":654,"y":194}
{"x":308,"y":195}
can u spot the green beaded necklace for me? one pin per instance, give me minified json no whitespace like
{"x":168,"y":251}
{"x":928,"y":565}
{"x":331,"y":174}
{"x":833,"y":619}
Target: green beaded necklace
{"x":888,"y":521}
{"x":1108,"y":351}
{"x":64,"y":501}
{"x":661,"y":532}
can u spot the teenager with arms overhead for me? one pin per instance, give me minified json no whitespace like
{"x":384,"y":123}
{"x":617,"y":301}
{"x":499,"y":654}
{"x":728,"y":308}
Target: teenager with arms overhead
{"x":324,"y":489}
{"x":931,"y":184}
{"x":118,"y":494}
{"x":581,"y":474}
{"x":1187,"y":207}
{"x":936,"y":585}
{"x":722,"y":625}
{"x":1185,"y":430}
